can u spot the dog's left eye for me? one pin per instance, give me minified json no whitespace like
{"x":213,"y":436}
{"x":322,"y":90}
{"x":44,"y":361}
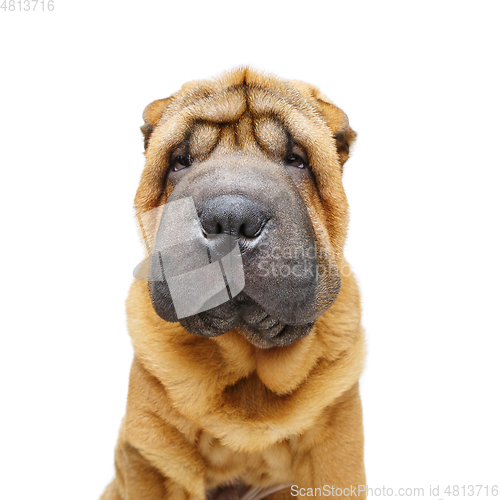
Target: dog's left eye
{"x":181,"y":162}
{"x":295,"y":160}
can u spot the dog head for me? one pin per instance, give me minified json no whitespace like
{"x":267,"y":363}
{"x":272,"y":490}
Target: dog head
{"x":241,"y":204}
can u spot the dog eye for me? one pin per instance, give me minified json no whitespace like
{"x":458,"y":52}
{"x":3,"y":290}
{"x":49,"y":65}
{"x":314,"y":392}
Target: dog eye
{"x":295,"y":160}
{"x":181,"y":162}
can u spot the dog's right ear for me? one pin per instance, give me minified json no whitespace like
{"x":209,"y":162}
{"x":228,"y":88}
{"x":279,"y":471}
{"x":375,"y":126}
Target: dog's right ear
{"x":152,"y":115}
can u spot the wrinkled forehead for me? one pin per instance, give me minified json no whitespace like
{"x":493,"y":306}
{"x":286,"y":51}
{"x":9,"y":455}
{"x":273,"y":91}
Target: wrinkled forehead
{"x":247,"y":135}
{"x":243,"y":117}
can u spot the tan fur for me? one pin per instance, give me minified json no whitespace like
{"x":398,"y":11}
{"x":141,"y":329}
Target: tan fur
{"x":203,"y":412}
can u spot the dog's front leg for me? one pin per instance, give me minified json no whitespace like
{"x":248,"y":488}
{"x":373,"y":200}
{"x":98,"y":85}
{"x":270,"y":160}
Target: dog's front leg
{"x":329,"y":456}
{"x":136,"y":478}
{"x":153,"y":459}
{"x":141,"y":478}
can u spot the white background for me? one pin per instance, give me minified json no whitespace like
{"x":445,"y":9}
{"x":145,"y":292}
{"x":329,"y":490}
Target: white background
{"x":419,"y":82}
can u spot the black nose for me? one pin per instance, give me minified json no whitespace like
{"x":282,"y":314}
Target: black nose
{"x":233,"y":214}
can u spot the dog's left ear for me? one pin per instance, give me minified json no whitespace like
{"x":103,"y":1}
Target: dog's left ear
{"x":339,"y":124}
{"x":344,"y":141}
{"x":152,"y":115}
{"x":334,"y":117}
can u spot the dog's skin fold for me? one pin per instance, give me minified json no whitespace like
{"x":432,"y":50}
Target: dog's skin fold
{"x":221,"y":415}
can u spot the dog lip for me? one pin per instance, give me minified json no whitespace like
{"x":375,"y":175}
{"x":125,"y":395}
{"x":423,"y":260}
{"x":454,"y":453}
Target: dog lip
{"x":273,"y":331}
{"x":219,"y":323}
{"x":282,"y":336}
{"x":250,"y":320}
{"x":248,"y":314}
{"x":267,"y":325}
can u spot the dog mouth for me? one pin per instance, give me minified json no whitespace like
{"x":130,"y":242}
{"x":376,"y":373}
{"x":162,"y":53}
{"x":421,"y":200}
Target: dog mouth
{"x":250,"y":321}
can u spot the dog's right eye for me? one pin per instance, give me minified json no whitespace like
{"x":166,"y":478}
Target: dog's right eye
{"x":181,"y":162}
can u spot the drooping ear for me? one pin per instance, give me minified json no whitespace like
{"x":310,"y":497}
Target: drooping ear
{"x":345,"y":140}
{"x":334,"y":117}
{"x":152,"y":115}
{"x":339,"y":124}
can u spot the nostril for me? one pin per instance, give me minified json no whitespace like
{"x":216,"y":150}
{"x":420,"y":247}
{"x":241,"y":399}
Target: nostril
{"x":252,"y":230}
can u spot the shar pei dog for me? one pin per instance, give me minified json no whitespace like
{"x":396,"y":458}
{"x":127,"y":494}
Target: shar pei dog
{"x":245,"y":316}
